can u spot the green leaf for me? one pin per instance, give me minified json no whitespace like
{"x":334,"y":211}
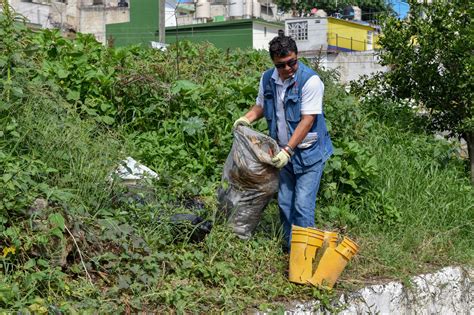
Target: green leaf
{"x":6,"y":177}
{"x":62,"y":74}
{"x":107,"y":120}
{"x":57,"y":232}
{"x":193,"y":125}
{"x":42,"y":263}
{"x":57,"y":220}
{"x":124,"y":282}
{"x":17,"y":91}
{"x":73,"y":95}
{"x":30,"y":264}
{"x":336,"y":164}
{"x":91,"y":111}
{"x":4,"y":105}
{"x":183,"y":85}
{"x":104,"y":106}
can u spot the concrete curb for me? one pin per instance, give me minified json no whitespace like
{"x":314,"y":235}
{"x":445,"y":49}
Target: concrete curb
{"x":448,"y":291}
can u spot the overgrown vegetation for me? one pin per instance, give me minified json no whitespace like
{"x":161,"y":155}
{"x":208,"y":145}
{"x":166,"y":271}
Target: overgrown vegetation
{"x":430,"y":60}
{"x":72,"y":240}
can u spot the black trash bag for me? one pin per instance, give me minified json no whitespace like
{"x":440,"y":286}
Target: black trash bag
{"x":249,"y":181}
{"x":190,"y":226}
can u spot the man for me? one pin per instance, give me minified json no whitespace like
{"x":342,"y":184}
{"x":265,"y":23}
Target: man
{"x":290,"y":98}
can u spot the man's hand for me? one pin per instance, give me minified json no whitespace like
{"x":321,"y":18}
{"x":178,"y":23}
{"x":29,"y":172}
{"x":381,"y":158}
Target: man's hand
{"x":281,"y":159}
{"x":242,"y":121}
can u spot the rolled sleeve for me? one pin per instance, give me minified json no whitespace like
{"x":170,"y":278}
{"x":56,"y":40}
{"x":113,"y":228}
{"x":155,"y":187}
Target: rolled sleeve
{"x":312,"y":96}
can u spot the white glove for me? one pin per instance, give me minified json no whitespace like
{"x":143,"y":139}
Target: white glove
{"x":281,"y":159}
{"x":244,"y":121}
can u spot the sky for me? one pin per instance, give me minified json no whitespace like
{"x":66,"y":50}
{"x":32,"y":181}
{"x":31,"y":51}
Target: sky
{"x":400,"y":7}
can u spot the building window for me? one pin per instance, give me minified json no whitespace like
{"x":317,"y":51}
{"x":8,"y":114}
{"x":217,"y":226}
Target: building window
{"x":298,"y":30}
{"x":97,"y":2}
{"x":265,"y":31}
{"x":369,"y":37}
{"x":122,"y":4}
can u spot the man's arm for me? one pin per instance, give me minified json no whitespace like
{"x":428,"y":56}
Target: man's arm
{"x":255,"y":113}
{"x":301,"y":130}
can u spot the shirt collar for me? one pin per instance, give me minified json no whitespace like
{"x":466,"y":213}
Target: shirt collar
{"x":277,"y":78}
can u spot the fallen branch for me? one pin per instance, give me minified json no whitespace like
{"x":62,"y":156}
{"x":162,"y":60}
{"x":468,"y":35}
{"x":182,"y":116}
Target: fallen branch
{"x":80,"y":255}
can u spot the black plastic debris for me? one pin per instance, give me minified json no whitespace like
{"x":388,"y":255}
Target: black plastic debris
{"x":190,"y":226}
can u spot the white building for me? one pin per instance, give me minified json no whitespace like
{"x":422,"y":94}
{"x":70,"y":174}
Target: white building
{"x":202,"y":11}
{"x":85,"y":16}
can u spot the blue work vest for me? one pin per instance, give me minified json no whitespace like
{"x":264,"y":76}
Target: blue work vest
{"x":321,"y":149}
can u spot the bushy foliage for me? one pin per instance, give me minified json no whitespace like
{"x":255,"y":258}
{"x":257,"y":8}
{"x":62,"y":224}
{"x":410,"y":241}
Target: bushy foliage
{"x":430,"y":59}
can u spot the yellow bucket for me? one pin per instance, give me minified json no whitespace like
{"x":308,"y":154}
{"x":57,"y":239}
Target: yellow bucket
{"x":348,"y":248}
{"x":330,"y":238}
{"x":304,"y":244}
{"x":333,"y":262}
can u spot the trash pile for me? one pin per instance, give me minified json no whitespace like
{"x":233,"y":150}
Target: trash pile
{"x":133,"y":176}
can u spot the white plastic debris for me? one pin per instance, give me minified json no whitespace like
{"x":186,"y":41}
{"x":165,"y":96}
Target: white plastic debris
{"x":131,"y":171}
{"x":159,"y":46}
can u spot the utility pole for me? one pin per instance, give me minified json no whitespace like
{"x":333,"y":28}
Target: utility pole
{"x":161,"y":22}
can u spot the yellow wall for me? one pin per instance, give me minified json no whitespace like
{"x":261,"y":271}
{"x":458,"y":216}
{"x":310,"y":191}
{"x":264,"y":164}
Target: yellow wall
{"x":376,"y":41}
{"x":340,"y":33}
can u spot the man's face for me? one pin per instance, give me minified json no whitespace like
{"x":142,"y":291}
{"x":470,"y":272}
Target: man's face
{"x":286,"y":66}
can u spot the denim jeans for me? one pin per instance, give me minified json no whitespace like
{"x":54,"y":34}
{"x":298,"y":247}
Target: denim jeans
{"x":297,"y":197}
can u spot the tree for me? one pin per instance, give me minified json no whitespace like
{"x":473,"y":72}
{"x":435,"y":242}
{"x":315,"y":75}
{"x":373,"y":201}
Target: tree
{"x":370,"y":8}
{"x":430,"y":57}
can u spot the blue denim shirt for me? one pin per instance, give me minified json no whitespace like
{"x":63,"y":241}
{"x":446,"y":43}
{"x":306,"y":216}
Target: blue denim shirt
{"x":317,"y":146}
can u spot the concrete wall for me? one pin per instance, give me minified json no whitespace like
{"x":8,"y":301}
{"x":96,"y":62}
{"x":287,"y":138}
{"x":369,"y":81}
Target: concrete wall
{"x":352,"y":65}
{"x":65,"y":15}
{"x":448,"y":291}
{"x":93,"y":19}
{"x":317,"y":34}
{"x":218,"y":9}
{"x":49,"y":14}
{"x":35,"y":13}
{"x":79,"y":15}
{"x":170,"y":18}
{"x":262,"y":34}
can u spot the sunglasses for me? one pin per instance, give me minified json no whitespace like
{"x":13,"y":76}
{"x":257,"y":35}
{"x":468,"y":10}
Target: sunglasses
{"x":290,"y":63}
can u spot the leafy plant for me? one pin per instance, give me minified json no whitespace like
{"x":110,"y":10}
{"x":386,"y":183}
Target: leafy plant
{"x":430,"y":60}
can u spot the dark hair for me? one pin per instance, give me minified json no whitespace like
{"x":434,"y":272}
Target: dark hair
{"x":281,"y":45}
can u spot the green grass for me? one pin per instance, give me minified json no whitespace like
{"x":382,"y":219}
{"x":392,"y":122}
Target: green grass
{"x":416,"y":216}
{"x":427,"y":187}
